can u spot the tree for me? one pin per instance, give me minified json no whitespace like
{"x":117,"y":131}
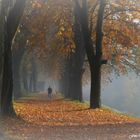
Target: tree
{"x":2,"y":15}
{"x":18,"y":50}
{"x":64,"y":34}
{"x":72,"y":77}
{"x":10,"y":27}
{"x":117,"y":39}
{"x":94,"y":53}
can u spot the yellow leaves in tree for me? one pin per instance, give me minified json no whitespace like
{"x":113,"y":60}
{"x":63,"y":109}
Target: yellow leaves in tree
{"x":37,"y":4}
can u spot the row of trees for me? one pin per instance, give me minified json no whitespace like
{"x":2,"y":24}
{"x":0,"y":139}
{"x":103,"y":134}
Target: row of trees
{"x":71,"y":32}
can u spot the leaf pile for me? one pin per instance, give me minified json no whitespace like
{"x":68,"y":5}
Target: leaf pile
{"x":59,"y":112}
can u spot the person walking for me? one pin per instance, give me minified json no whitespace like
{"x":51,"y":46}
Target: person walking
{"x":49,"y":92}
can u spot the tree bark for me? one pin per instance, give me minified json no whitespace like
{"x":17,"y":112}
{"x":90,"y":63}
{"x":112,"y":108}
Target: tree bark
{"x":11,"y":25}
{"x":64,"y":82}
{"x":95,"y":99}
{"x":74,"y":64}
{"x":34,"y":74}
{"x":17,"y":55}
{"x":7,"y":83}
{"x":96,"y":72}
{"x":2,"y":17}
{"x":77,"y":58}
{"x":25,"y":79}
{"x":94,"y":53}
{"x":17,"y":58}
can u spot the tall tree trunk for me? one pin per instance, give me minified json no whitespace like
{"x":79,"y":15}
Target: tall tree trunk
{"x":7,"y":84}
{"x":75,"y":86}
{"x":74,"y":64}
{"x":96,"y":79}
{"x":64,"y":82}
{"x":95,"y":99}
{"x":31,"y":82}
{"x":17,"y":58}
{"x":25,"y":79}
{"x":34,"y":74}
{"x":18,"y":52}
{"x":77,"y":58}
{"x":94,"y":54}
{"x":2,"y":17}
{"x":11,"y":25}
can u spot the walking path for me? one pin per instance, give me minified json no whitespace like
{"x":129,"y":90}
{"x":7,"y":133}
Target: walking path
{"x":59,"y":119}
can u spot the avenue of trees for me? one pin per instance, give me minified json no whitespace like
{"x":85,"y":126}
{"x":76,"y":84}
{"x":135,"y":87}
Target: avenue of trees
{"x":66,"y":38}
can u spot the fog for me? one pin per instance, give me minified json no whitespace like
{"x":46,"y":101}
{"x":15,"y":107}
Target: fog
{"x":122,"y":94}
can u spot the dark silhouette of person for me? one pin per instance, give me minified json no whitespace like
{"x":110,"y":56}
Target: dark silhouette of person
{"x":49,"y":92}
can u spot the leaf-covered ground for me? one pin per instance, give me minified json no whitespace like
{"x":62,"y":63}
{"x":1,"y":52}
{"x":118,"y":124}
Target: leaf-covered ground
{"x":59,"y":112}
{"x":59,"y":119}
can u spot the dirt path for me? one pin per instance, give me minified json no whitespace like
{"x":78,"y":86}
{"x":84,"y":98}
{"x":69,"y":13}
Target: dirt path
{"x":58,"y":119}
{"x":99,"y":132}
{"x":104,"y":132}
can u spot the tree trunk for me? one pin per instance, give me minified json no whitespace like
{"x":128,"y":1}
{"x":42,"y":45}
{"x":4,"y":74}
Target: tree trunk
{"x":94,"y":54}
{"x":17,"y":58}
{"x":72,"y":77}
{"x":16,"y":83}
{"x":75,"y":86}
{"x":2,"y":17}
{"x":17,"y":55}
{"x":7,"y":83}
{"x":95,"y":100}
{"x":25,"y":80}
{"x":74,"y":64}
{"x":11,"y":25}
{"x":77,"y":58}
{"x":34,"y":74}
{"x":65,"y":80}
{"x":31,"y":83}
{"x":96,"y":89}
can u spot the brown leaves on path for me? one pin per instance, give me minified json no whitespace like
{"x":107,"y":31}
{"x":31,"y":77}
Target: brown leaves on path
{"x":59,"y":112}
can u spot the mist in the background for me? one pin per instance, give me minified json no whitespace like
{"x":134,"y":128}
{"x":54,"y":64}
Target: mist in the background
{"x":123,"y":94}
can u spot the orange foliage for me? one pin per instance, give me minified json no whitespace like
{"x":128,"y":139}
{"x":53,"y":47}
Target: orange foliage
{"x":41,"y":111}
